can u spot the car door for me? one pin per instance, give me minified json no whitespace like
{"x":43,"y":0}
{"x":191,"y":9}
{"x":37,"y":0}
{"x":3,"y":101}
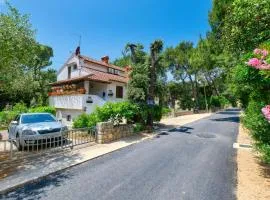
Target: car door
{"x":13,"y":127}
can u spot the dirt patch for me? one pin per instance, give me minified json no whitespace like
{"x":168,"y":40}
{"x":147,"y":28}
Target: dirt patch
{"x":253,"y":177}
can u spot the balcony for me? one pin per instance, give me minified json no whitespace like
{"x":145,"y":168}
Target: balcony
{"x":67,"y":101}
{"x":76,"y":101}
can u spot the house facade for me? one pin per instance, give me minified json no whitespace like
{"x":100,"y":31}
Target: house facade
{"x":84,"y":83}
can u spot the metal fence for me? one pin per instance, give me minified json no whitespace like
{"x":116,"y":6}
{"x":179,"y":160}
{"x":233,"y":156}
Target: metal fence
{"x":32,"y":145}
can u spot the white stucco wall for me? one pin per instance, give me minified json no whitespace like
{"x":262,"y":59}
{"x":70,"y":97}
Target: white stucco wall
{"x":65,"y":112}
{"x":90,"y":107}
{"x":74,"y":105}
{"x":97,"y":88}
{"x":80,"y":71}
{"x":112,"y":87}
{"x":67,"y":101}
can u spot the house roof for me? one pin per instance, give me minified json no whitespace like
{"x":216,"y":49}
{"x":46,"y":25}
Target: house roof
{"x":94,"y":76}
{"x":97,"y":75}
{"x":101,"y":63}
{"x":78,"y":79}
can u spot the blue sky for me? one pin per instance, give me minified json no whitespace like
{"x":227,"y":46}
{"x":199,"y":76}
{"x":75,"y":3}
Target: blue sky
{"x":107,"y":25}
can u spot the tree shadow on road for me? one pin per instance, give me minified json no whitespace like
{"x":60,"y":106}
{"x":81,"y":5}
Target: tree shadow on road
{"x":37,"y":189}
{"x":228,"y":113}
{"x":227,"y":119}
{"x":182,"y":129}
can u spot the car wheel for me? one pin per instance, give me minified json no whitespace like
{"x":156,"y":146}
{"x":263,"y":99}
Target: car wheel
{"x":18,"y":144}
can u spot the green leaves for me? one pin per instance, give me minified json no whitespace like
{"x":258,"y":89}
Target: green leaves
{"x":114,"y":112}
{"x":246,"y":25}
{"x":22,"y":60}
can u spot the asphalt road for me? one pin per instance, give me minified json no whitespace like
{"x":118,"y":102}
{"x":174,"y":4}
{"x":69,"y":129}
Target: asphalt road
{"x":194,"y":162}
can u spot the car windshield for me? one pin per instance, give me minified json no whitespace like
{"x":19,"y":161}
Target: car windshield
{"x":37,"y":118}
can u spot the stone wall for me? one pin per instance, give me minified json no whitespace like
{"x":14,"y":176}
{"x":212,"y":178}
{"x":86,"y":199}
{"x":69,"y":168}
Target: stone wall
{"x":107,"y":132}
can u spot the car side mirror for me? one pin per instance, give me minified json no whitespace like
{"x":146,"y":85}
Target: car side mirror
{"x":14,"y":122}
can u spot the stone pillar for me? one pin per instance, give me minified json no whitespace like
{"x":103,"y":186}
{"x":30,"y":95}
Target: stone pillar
{"x":104,"y":131}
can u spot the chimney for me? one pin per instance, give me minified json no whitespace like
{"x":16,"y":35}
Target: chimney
{"x":78,"y":51}
{"x":105,"y":59}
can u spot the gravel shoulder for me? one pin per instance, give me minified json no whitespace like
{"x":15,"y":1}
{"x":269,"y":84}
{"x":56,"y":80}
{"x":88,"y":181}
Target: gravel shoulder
{"x":253,"y":176}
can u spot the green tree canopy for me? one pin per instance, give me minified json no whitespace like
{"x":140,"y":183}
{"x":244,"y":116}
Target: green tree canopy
{"x":246,"y":25}
{"x":23,"y":60}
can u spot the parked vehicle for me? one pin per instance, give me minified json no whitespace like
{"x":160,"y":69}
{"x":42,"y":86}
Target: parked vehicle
{"x":27,"y":129}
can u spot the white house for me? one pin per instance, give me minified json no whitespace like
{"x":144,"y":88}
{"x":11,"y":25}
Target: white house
{"x":84,"y":83}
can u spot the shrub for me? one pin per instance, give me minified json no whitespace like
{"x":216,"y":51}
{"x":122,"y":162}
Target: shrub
{"x":218,"y":102}
{"x":92,"y":120}
{"x":264,"y":149}
{"x":81,"y":121}
{"x":41,"y":109}
{"x":165,"y":111}
{"x":251,"y":85}
{"x":105,"y":112}
{"x":254,"y":120}
{"x":157,"y":112}
{"x":214,"y":102}
{"x":144,"y":110}
{"x":259,"y":128}
{"x":115,"y":112}
{"x":138,"y":127}
{"x":7,"y":116}
{"x":127,"y":110}
{"x":19,"y":108}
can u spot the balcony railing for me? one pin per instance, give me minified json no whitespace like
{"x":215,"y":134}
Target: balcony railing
{"x":76,"y":101}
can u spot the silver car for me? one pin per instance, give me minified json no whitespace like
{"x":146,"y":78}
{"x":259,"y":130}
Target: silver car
{"x":28,"y":128}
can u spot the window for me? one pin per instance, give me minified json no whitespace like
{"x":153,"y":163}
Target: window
{"x":69,"y":72}
{"x":68,"y":118}
{"x":17,"y":118}
{"x":116,"y":72}
{"x":111,"y":70}
{"x":37,"y":118}
{"x":74,"y":67}
{"x":119,"y":92}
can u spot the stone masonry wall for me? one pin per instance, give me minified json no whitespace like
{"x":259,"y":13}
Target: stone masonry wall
{"x":107,"y":132}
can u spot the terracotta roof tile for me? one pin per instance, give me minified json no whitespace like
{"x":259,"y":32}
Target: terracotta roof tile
{"x":94,"y":76}
{"x":101,"y":63}
{"x":98,"y":75}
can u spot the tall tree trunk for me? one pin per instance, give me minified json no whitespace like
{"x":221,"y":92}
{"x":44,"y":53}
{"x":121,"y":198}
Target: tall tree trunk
{"x":151,"y":91}
{"x":173,"y":105}
{"x":196,"y":94}
{"x":132,"y":48}
{"x":194,"y":91}
{"x":214,"y":84}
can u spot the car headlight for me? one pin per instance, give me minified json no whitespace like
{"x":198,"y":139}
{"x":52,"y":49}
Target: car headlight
{"x":28,"y":132}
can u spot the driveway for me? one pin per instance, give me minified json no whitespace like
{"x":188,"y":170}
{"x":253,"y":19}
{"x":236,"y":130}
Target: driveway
{"x":195,"y":162}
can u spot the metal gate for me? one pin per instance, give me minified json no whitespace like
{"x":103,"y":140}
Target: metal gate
{"x":32,"y":145}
